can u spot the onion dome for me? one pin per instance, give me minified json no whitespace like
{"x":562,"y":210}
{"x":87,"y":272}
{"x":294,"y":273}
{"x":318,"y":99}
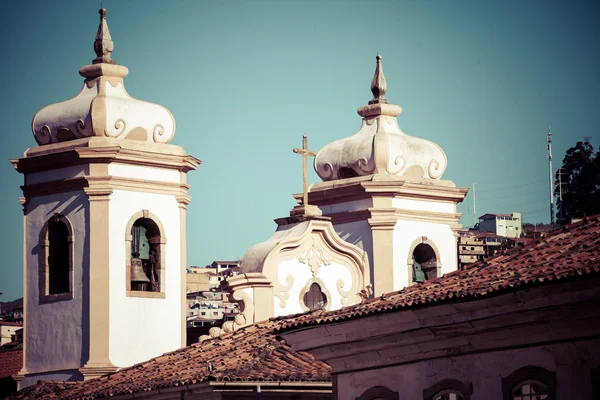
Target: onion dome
{"x":380,"y":147}
{"x":103,"y":107}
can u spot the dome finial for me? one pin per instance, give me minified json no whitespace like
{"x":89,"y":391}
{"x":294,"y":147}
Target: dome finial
{"x":103,"y":45}
{"x":378,"y":84}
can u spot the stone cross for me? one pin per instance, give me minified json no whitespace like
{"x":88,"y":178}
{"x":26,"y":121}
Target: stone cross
{"x":305,"y":152}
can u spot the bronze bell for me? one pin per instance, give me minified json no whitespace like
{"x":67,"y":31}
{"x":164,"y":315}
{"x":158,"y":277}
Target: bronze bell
{"x":137,"y":272}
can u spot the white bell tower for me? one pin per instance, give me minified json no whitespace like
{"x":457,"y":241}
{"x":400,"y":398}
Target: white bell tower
{"x":104,"y":203}
{"x":383,"y":193}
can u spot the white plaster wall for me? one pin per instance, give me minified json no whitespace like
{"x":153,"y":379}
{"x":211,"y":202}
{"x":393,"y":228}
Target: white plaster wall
{"x":421,"y":205}
{"x":56,"y":174}
{"x":56,"y":332}
{"x":328,"y":274}
{"x":141,"y":172}
{"x":63,"y":376}
{"x":406,"y":232}
{"x":572,"y":363}
{"x":359,"y":234}
{"x":142,"y":328}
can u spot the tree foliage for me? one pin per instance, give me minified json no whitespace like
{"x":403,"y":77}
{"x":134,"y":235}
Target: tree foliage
{"x":580,"y":176}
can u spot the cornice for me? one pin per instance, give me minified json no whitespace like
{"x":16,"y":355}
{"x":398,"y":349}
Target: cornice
{"x":353,"y":189}
{"x":104,"y":150}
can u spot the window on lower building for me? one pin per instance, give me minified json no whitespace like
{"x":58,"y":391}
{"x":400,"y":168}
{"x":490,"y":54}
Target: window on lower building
{"x":449,"y":395}
{"x":448,"y":389}
{"x":530,"y":383}
{"x":530,"y":390}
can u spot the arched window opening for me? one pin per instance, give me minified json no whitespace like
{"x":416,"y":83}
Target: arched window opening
{"x":530,"y":383}
{"x":378,"y":393}
{"x":314,"y":298}
{"x":145,"y":259}
{"x":58,"y":258}
{"x":424,"y":263}
{"x":448,"y":389}
{"x":530,"y":390}
{"x":448,"y":395}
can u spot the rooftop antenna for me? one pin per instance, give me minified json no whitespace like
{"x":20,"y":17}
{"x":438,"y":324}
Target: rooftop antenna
{"x":549,"y":140}
{"x":474,"y":206}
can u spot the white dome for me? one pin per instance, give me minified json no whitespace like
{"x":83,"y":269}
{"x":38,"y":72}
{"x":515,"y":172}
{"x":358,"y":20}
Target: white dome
{"x":380,"y":147}
{"x":103,"y":107}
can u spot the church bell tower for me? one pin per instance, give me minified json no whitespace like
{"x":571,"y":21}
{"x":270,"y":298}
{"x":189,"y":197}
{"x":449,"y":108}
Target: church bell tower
{"x":104,"y":205}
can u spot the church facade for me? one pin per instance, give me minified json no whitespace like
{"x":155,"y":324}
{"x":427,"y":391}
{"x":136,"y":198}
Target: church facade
{"x":382,"y":211}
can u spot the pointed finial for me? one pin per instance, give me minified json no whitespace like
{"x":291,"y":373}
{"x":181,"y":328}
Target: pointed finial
{"x":103,"y":45}
{"x":378,"y":84}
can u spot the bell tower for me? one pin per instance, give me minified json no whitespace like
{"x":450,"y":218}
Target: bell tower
{"x":104,"y":214}
{"x":383,"y":191}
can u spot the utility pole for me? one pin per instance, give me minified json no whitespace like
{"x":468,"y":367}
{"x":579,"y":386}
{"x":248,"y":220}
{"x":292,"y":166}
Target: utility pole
{"x":549,"y":140}
{"x":474,"y":206}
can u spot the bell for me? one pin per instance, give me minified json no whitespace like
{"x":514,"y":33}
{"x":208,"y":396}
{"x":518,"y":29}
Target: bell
{"x":137,"y":272}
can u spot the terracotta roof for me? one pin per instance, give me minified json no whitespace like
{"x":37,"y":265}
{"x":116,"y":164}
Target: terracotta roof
{"x":253,"y":353}
{"x":10,"y":362}
{"x":568,"y":253}
{"x":6,"y":323}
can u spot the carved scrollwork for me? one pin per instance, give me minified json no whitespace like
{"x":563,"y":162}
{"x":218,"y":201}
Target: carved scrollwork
{"x":246,"y":304}
{"x":45,"y":135}
{"x":315,"y":258}
{"x":328,"y":169}
{"x":120,"y":126}
{"x":398,"y":163}
{"x":363,"y":164}
{"x":282,"y":291}
{"x":158,"y":134}
{"x":80,"y":126}
{"x":435,"y":170}
{"x":347,"y":297}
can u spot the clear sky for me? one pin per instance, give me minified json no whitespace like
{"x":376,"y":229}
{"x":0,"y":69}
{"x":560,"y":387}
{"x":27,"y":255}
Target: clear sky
{"x":246,"y":79}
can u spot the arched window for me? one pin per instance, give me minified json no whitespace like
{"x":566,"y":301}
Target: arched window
{"x":530,"y":390}
{"x":530,"y":383}
{"x":145,"y":259}
{"x":314,"y":298}
{"x":448,"y":389}
{"x":378,"y":393}
{"x":424,"y":262}
{"x":57,"y":253}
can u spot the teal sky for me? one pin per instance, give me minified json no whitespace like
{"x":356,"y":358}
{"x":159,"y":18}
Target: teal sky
{"x":246,"y":79}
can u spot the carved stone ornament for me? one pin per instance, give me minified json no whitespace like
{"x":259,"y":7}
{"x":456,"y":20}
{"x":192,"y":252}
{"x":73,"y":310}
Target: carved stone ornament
{"x":103,"y":107}
{"x":380,"y":147}
{"x":315,"y":258}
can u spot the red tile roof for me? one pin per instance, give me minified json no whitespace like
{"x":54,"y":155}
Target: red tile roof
{"x":253,"y":353}
{"x":6,"y":323}
{"x":569,"y":253}
{"x":11,"y":362}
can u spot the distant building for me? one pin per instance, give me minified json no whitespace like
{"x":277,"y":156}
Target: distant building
{"x":471,"y":247}
{"x":8,"y":331}
{"x":507,"y":225}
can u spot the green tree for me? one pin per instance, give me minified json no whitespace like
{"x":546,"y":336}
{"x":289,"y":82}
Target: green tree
{"x":580,"y":183}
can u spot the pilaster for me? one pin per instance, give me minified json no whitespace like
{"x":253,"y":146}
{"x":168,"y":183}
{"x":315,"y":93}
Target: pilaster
{"x":99,"y":289}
